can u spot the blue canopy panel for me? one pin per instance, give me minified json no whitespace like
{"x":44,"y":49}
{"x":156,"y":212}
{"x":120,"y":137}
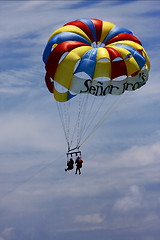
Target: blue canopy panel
{"x":88,"y":62}
{"x":90,"y":25}
{"x":116,"y":31}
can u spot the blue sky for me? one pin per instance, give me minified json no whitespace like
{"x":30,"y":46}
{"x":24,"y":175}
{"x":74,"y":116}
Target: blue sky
{"x":118,"y":194}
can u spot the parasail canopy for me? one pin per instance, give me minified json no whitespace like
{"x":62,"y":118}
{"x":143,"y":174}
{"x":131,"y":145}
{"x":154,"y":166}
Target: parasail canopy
{"x":90,"y":57}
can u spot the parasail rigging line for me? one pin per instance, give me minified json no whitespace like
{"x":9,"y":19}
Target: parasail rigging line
{"x":85,"y":117}
{"x":83,"y":108}
{"x":105,"y":116}
{"x":92,"y":114}
{"x":82,"y":115}
{"x":61,"y":115}
{"x":65,"y":116}
{"x":30,"y":178}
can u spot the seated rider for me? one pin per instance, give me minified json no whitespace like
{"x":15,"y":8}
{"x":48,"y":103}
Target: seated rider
{"x":78,"y":162}
{"x":70,"y":165}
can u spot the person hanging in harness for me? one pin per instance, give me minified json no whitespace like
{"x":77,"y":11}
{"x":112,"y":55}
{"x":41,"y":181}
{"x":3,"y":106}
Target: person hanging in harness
{"x":78,"y":163}
{"x":70,"y":165}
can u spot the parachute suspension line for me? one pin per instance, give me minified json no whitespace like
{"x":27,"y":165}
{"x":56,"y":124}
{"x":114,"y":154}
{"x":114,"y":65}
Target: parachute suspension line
{"x":92,"y":117}
{"x":82,"y":116}
{"x":85,"y":115}
{"x":79,"y":117}
{"x":114,"y":106}
{"x":74,"y":131}
{"x":82,"y":105}
{"x":77,"y":129}
{"x":92,"y":114}
{"x":108,"y":112}
{"x":84,"y":111}
{"x":63,"y":122}
{"x":67,"y":118}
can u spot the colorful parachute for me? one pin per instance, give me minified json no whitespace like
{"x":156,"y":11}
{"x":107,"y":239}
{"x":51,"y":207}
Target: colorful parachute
{"x":94,"y":57}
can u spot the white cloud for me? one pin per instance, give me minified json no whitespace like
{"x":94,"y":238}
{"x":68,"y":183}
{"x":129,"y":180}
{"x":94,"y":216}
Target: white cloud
{"x":131,"y":201}
{"x":141,"y":155}
{"x":22,"y":132}
{"x":7,"y":233}
{"x":89,"y":218}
